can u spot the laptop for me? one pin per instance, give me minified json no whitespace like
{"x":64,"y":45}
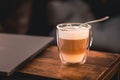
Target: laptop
{"x":17,"y":50}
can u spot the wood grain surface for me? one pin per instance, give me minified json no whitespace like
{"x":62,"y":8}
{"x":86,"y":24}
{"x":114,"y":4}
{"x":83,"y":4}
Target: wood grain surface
{"x":99,"y":66}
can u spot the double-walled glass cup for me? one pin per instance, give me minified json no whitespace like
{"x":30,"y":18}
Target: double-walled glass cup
{"x":73,"y":41}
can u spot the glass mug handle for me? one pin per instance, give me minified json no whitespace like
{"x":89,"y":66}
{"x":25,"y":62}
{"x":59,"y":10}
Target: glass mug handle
{"x":90,"y":39}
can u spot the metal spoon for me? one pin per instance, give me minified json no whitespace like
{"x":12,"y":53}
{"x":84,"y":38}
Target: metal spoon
{"x":98,"y":20}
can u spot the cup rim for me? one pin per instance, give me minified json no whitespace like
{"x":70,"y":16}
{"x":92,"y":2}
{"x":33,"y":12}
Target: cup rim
{"x":71,"y":24}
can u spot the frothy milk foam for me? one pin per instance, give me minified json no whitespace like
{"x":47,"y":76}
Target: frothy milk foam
{"x":80,"y":33}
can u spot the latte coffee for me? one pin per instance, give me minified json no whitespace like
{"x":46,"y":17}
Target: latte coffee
{"x":73,"y":44}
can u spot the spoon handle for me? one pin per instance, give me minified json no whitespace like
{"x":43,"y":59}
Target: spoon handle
{"x":98,"y":20}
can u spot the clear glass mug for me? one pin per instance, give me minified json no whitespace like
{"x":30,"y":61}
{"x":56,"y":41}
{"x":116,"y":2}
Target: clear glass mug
{"x":73,"y":41}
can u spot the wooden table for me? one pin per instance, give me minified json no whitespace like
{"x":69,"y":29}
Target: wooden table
{"x":99,"y":66}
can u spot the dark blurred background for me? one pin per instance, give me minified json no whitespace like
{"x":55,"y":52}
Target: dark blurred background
{"x":101,"y":8}
{"x":40,"y":17}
